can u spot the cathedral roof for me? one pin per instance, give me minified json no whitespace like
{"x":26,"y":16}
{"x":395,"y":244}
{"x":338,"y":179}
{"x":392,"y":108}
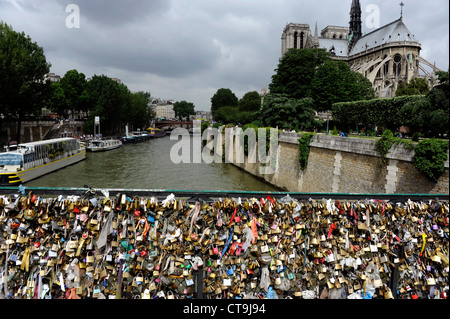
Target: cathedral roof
{"x":396,"y":31}
{"x":340,"y":46}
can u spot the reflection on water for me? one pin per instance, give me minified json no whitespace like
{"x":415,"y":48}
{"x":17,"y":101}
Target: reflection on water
{"x":147,"y":165}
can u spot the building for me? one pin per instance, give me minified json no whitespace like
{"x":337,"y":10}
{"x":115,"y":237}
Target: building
{"x":52,"y":77}
{"x":386,"y":56}
{"x":163,"y":108}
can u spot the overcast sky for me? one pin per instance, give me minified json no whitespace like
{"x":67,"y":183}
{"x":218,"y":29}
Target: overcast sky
{"x":188,"y":49}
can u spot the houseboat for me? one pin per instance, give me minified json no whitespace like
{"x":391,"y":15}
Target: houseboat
{"x":32,"y":160}
{"x":98,"y":145}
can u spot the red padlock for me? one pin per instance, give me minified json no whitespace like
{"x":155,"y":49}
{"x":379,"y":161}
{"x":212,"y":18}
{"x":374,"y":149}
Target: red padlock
{"x":143,"y":253}
{"x":37,"y":244}
{"x":137,"y":213}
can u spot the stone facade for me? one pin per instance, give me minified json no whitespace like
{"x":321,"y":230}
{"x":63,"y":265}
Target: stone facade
{"x":386,"y":56}
{"x":342,"y":165}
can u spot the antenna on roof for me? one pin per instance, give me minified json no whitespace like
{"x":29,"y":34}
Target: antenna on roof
{"x":401,"y":9}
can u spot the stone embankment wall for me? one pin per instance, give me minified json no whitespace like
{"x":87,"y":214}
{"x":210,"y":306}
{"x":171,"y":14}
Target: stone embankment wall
{"x":341,"y":165}
{"x":32,"y":131}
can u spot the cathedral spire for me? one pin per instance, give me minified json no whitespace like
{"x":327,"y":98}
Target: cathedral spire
{"x":355,"y":30}
{"x":401,"y":10}
{"x":316,"y":37}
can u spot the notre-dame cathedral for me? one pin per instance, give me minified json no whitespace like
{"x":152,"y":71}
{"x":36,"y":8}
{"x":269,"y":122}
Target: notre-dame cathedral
{"x":386,"y":56}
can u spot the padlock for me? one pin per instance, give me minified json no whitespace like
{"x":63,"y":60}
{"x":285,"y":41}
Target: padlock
{"x":14,"y":256}
{"x":430,"y":280}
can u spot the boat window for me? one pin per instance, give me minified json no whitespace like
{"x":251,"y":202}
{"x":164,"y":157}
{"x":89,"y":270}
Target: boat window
{"x":11,"y":159}
{"x":27,"y":158}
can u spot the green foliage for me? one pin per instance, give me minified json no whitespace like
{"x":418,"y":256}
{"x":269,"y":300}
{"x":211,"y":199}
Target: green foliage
{"x":416,"y":136}
{"x":430,"y":156}
{"x":335,"y":131}
{"x":227,"y":114}
{"x":139,"y":112}
{"x":110,"y":101}
{"x":69,"y":94}
{"x":383,"y":145}
{"x":296,"y":71}
{"x":439,"y":110}
{"x":334,"y":82}
{"x":312,"y":73}
{"x":427,"y":114}
{"x":417,"y":86}
{"x":23,"y":67}
{"x":250,"y":102}
{"x":204,"y":126}
{"x":223,"y":97}
{"x":304,"y":149}
{"x":227,"y":109}
{"x":184,"y":109}
{"x":278,"y":110}
{"x":387,"y":113}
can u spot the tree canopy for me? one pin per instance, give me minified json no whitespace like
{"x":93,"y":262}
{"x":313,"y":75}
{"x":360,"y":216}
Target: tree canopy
{"x":251,"y":101}
{"x":183,"y":109}
{"x":283,"y":112}
{"x":334,"y":82}
{"x":223,"y":97}
{"x":296,"y":71}
{"x":70,"y":94}
{"x":23,"y":67}
{"x":416,"y":86}
{"x":312,"y":73}
{"x":116,"y":106}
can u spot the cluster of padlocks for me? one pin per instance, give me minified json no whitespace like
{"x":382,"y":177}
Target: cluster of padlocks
{"x":76,"y":247}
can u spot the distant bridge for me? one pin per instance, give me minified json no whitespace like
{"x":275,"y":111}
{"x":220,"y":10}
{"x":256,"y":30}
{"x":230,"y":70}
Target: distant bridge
{"x":168,"y":125}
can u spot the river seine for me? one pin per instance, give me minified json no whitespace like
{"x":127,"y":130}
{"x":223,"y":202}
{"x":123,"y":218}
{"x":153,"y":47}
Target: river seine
{"x":147,"y":165}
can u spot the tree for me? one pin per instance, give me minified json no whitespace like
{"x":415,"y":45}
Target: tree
{"x":416,"y":86}
{"x":251,"y":101}
{"x":110,"y":101}
{"x":334,"y":82}
{"x":223,"y":97}
{"x":227,"y":115}
{"x":139,"y":113}
{"x":57,"y":102}
{"x":283,"y":112}
{"x":70,"y":95}
{"x":296,"y":71}
{"x":23,"y":67}
{"x":74,"y":85}
{"x":183,"y":109}
{"x":439,"y":109}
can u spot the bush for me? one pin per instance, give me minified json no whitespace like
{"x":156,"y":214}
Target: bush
{"x":416,"y":135}
{"x":430,"y":156}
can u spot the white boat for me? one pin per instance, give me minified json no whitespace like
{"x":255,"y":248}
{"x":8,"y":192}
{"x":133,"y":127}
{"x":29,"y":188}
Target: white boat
{"x":32,"y":160}
{"x":103,"y":145}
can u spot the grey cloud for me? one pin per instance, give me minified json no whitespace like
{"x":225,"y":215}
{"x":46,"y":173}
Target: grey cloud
{"x":119,"y":12}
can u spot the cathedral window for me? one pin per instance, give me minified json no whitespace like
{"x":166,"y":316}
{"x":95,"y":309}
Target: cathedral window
{"x":301,"y":40}
{"x":295,"y":40}
{"x":397,"y":64}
